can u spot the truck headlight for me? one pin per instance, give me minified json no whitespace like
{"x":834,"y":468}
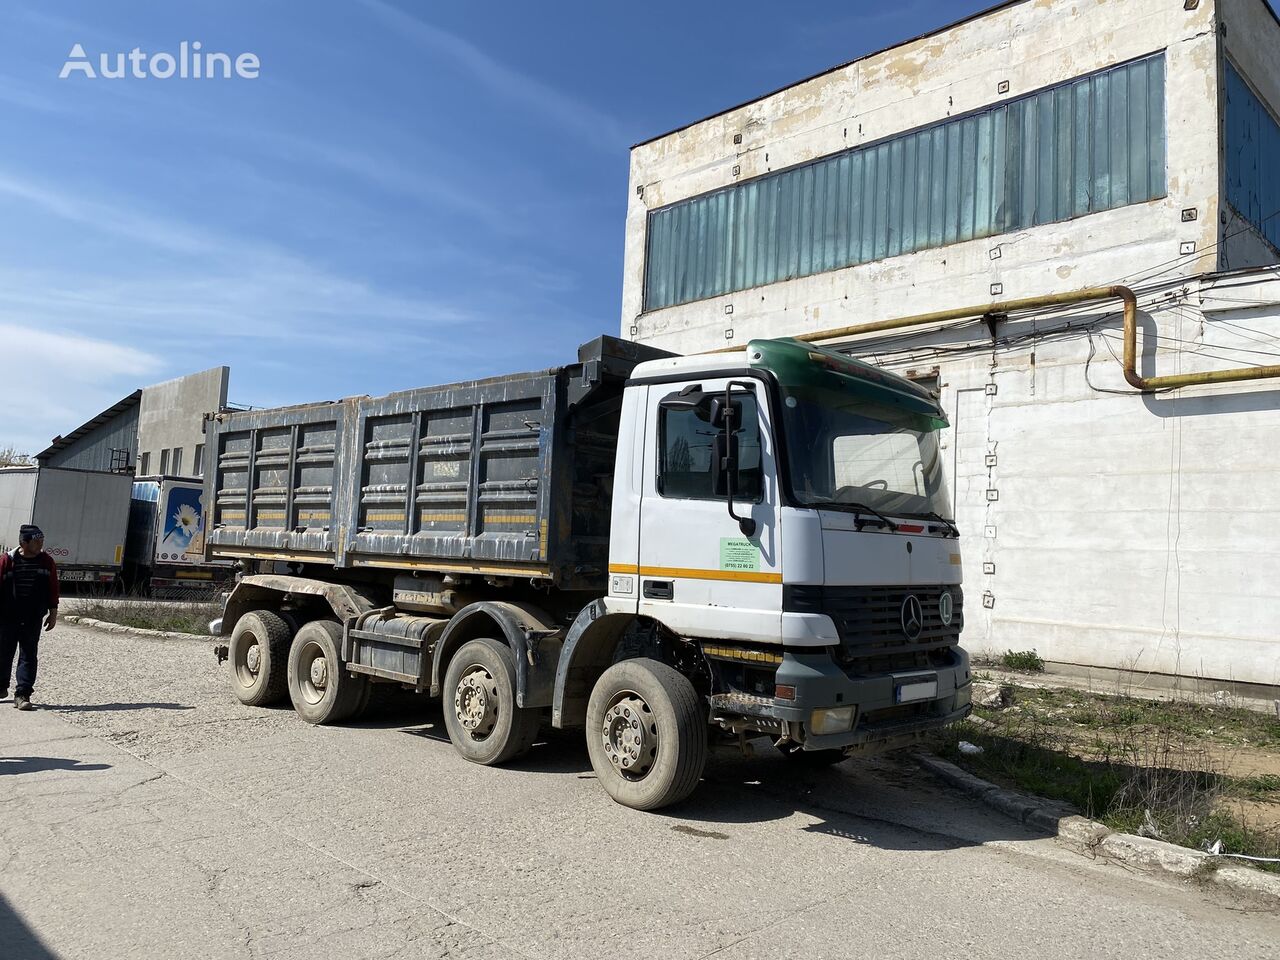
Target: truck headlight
{"x":834,"y":720}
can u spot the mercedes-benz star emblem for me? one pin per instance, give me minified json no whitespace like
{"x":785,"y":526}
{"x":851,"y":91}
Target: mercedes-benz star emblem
{"x":912,"y":617}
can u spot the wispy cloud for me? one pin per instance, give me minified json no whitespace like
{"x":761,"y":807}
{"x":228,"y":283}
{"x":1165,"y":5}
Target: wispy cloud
{"x":56,"y":381}
{"x":582,"y":120}
{"x":118,"y":220}
{"x":394,"y":178}
{"x":25,"y":96}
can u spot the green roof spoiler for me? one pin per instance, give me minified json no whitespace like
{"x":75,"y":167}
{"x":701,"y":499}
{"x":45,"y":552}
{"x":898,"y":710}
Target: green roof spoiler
{"x":799,"y":364}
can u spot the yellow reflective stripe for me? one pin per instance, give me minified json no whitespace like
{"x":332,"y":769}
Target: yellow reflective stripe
{"x":738,"y":576}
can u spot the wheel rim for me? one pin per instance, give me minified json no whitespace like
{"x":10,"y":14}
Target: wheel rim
{"x":313,"y":672}
{"x":248,"y":662}
{"x":475,"y":702}
{"x":630,"y":736}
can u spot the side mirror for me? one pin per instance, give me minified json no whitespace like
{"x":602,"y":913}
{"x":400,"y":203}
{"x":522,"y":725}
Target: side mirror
{"x":727,"y":414}
{"x":724,"y":463}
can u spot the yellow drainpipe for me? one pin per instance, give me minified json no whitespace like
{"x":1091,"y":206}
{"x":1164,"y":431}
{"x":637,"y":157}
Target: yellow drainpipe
{"x":1092,"y":294}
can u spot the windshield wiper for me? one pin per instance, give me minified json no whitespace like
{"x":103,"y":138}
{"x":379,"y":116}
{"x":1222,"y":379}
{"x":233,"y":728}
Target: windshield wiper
{"x":952,"y":529}
{"x":859,"y":521}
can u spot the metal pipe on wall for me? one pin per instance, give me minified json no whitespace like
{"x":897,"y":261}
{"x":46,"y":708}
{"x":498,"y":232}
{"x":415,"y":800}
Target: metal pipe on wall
{"x":1090,"y":295}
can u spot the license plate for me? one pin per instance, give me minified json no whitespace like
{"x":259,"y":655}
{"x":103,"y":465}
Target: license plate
{"x":75,"y":575}
{"x":914,"y":690}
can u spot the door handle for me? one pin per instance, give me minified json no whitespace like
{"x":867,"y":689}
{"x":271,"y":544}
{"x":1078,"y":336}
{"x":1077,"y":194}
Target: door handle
{"x":657,"y":589}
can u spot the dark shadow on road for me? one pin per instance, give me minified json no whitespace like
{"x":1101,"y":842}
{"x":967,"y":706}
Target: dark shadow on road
{"x":111,"y":707}
{"x":871,"y":801}
{"x":16,"y":765}
{"x":17,"y":940}
{"x":866,"y":801}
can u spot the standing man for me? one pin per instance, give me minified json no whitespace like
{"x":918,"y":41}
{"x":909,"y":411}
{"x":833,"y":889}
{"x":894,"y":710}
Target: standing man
{"x":28,"y":598}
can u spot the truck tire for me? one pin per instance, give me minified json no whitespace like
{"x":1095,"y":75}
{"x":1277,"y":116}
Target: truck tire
{"x":363,"y":705}
{"x":646,"y":734}
{"x":259,"y":654}
{"x":321,"y":689}
{"x":480,"y":711}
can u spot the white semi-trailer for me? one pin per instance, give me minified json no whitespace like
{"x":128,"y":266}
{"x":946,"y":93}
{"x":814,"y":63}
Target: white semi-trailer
{"x":83,"y":513}
{"x":646,"y":546}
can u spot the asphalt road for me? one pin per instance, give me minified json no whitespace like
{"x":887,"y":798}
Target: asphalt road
{"x":145,"y":813}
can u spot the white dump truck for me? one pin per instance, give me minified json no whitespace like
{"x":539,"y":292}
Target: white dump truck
{"x":653,"y":548}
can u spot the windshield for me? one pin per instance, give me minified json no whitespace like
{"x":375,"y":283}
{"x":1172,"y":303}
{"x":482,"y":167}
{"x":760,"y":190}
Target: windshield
{"x":843,"y":450}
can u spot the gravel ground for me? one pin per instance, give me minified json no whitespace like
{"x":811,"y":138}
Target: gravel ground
{"x":146,"y":813}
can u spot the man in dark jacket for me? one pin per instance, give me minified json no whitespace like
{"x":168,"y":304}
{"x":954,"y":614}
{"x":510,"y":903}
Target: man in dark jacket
{"x":28,"y":598}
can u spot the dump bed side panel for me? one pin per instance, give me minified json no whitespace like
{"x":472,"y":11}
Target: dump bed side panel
{"x":443,"y":477}
{"x":510,"y":476}
{"x":457,"y":474}
{"x":275,"y":487}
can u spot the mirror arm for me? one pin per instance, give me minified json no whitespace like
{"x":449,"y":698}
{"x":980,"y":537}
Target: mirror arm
{"x":730,"y":464}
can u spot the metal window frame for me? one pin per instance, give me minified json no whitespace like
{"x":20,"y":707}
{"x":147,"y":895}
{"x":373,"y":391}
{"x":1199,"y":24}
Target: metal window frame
{"x":950,"y":137}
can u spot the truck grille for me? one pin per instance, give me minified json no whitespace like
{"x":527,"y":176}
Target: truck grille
{"x":869,"y":621}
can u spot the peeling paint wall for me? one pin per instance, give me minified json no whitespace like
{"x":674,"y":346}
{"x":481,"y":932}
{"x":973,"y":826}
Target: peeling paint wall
{"x":1029,"y":46}
{"x":1117,"y":530}
{"x":1105,"y":529}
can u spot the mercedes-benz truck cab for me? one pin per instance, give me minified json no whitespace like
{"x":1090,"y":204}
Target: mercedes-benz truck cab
{"x":786,"y":508}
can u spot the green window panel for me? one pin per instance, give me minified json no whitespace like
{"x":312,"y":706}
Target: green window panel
{"x":1253,"y":158}
{"x":1091,"y":144}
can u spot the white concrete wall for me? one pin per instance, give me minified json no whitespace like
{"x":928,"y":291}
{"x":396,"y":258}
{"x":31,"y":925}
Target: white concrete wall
{"x":1130,"y":532}
{"x":171,"y":416}
{"x":1031,"y":45}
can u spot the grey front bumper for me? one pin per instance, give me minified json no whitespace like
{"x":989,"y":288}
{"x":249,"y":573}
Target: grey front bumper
{"x":879,"y":719}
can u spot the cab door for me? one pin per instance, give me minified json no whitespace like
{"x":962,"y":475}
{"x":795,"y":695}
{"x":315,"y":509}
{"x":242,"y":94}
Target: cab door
{"x":698,"y":572}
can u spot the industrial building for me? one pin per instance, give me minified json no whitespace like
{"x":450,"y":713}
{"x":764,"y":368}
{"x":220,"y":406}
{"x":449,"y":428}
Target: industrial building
{"x":171,"y":422}
{"x":1039,"y":148}
{"x":80,"y":488}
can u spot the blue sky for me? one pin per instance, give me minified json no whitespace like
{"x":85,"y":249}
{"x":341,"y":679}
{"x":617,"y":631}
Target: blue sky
{"x":409,"y":193}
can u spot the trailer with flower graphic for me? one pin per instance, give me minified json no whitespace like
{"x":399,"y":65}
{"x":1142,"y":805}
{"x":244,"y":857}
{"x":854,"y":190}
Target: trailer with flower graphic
{"x":164,"y":551}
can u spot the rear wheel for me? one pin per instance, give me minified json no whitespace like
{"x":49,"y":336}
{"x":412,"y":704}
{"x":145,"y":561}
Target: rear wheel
{"x":646,"y":734}
{"x":480,"y":711}
{"x":259,"y":651}
{"x":321,"y":689}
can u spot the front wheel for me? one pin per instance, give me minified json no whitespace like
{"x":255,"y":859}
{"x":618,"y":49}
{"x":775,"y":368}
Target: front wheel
{"x":321,"y":689}
{"x":646,"y":734}
{"x":480,"y":711}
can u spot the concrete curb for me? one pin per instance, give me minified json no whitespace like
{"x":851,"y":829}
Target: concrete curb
{"x":1089,"y":836}
{"x":109,"y":627}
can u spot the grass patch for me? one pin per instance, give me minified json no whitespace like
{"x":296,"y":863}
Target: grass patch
{"x":1156,"y":768}
{"x":1026,"y":661}
{"x":179,"y":616}
{"x":1230,"y":726}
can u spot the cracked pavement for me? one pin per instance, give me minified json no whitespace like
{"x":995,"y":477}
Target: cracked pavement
{"x":145,"y":813}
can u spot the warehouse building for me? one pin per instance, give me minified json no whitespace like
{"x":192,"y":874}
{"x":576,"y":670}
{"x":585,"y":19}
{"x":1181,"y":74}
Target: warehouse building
{"x":1039,"y":148}
{"x":171,"y":419}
